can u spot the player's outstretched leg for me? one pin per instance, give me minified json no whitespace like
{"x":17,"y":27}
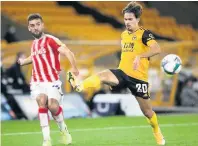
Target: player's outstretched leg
{"x":44,"y":119}
{"x":57,"y":114}
{"x":94,"y":81}
{"x":146,"y":108}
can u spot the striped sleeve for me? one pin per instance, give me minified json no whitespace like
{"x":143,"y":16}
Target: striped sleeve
{"x":55,"y":43}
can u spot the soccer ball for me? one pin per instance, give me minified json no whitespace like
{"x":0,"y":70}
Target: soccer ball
{"x":171,"y":64}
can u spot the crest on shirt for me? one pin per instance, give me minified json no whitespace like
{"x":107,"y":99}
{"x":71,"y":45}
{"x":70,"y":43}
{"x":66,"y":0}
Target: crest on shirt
{"x":151,"y":36}
{"x":134,"y":37}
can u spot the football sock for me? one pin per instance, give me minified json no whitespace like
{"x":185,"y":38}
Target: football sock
{"x":58,"y":117}
{"x":91,"y":82}
{"x":44,"y":122}
{"x":154,"y":123}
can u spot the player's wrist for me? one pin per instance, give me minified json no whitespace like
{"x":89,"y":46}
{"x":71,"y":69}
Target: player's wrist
{"x":23,"y":62}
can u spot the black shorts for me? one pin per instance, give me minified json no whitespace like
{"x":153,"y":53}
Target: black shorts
{"x":137,"y":87}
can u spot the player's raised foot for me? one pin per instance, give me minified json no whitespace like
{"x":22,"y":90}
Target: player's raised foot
{"x":72,"y":80}
{"x":47,"y":143}
{"x":78,"y":88}
{"x":159,"y":138}
{"x":65,"y":138}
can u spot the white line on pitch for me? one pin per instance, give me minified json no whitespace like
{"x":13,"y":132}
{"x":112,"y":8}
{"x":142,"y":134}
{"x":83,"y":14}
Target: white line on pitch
{"x":105,"y":128}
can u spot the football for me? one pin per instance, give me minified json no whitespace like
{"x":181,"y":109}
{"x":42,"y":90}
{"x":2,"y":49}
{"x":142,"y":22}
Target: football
{"x":171,"y":64}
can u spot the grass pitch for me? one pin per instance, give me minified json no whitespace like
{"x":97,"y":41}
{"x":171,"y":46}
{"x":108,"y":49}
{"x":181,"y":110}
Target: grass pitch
{"x":178,"y":130}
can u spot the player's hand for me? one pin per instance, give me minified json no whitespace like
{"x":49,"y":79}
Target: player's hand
{"x":12,"y":114}
{"x":75,"y":71}
{"x":136,"y":63}
{"x":20,"y":61}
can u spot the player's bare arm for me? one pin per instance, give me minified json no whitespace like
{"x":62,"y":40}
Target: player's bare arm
{"x":154,"y":50}
{"x":64,"y":50}
{"x":25,"y":61}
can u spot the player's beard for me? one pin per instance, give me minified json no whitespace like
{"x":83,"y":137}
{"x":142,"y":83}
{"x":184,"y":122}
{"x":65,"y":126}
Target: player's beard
{"x":129,"y":29}
{"x":37,"y":35}
{"x":132,"y":29}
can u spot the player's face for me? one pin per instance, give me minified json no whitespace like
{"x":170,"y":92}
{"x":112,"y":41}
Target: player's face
{"x":36,"y":27}
{"x":131,"y":22}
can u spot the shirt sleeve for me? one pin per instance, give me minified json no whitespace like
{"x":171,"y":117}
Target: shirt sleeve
{"x":148,"y":38}
{"x":55,"y":43}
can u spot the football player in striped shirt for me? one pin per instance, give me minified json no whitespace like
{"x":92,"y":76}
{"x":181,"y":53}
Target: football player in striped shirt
{"x":45,"y":82}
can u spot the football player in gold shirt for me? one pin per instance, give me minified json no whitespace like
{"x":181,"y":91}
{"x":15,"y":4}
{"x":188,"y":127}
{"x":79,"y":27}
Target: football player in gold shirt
{"x":138,"y":45}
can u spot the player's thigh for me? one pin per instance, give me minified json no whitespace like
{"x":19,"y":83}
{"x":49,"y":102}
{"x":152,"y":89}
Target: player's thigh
{"x":140,"y":90}
{"x":107,"y":77}
{"x":37,"y":91}
{"x":145,"y":106}
{"x":54,"y":91}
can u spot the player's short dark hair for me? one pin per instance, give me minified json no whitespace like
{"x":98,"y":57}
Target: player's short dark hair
{"x":34,"y":16}
{"x":133,"y":7}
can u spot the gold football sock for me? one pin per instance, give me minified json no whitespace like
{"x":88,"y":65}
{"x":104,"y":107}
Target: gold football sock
{"x":91,"y":82}
{"x":154,"y":123}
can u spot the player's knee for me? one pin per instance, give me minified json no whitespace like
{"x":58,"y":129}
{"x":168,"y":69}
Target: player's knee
{"x":148,"y":113}
{"x":42,"y":100}
{"x":52,"y":105}
{"x":103,"y":77}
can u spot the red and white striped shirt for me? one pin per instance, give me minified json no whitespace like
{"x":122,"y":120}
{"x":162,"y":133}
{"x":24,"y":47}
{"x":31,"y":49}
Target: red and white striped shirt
{"x":45,"y":59}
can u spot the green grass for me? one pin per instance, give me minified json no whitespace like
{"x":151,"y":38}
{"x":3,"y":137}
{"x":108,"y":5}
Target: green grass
{"x":126,"y":131}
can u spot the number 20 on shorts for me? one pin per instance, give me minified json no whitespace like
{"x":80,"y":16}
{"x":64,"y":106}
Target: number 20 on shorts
{"x":141,"y":88}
